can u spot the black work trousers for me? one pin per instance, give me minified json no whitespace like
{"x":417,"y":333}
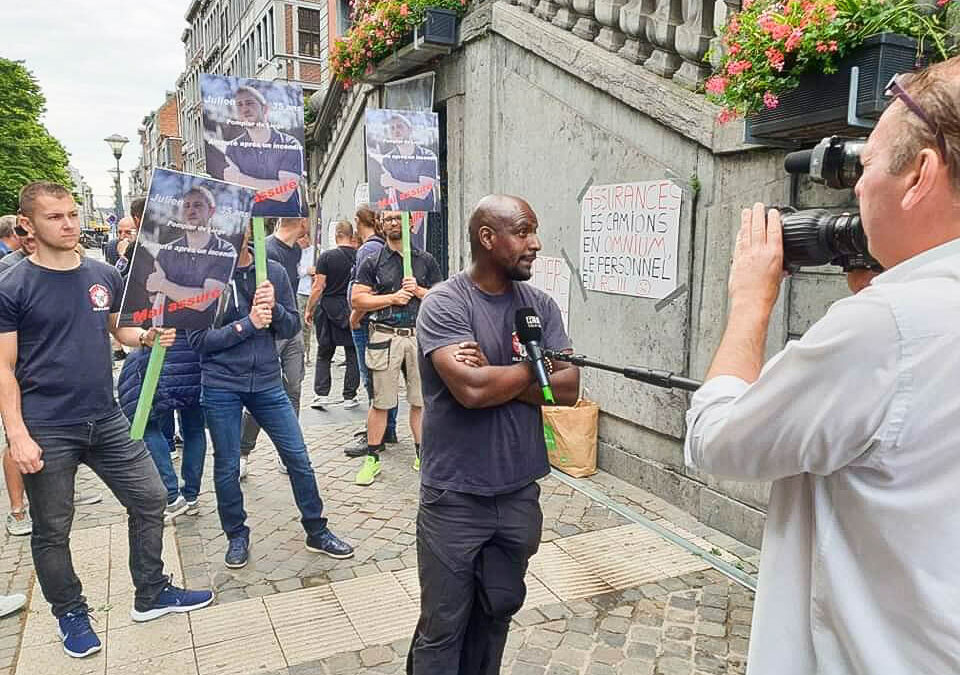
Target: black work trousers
{"x":472,"y":557}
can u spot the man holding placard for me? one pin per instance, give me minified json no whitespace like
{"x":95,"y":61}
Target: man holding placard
{"x":58,"y":408}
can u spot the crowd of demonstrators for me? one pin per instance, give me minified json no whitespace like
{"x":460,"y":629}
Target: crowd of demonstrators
{"x":178,"y":390}
{"x":9,"y":240}
{"x":240,"y":369}
{"x":57,"y":401}
{"x":329,"y":310}
{"x":393,"y":301}
{"x":283,"y":248}
{"x":479,"y":519}
{"x":305,"y":272}
{"x":369,"y":235}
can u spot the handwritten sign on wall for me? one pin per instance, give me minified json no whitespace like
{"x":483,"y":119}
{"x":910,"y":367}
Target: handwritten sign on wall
{"x":630,"y":237}
{"x":552,"y":276}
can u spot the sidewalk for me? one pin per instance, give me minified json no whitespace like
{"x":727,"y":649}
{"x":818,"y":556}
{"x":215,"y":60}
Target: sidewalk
{"x":605,"y":595}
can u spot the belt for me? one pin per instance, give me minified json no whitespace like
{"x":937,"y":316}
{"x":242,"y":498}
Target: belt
{"x":399,"y":332}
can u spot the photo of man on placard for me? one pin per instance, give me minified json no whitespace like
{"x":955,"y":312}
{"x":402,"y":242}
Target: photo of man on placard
{"x":402,"y":163}
{"x":253,"y":135}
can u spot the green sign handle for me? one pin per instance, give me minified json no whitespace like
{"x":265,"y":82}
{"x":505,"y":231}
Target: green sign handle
{"x":259,"y":250}
{"x":147,"y":391}
{"x":407,"y":262}
{"x":549,"y":437}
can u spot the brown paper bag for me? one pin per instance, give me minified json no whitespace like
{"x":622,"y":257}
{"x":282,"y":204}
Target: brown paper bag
{"x":574,"y":450}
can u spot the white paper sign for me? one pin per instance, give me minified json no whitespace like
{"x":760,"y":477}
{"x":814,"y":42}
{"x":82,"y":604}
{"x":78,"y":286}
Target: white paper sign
{"x":552,"y":276}
{"x":361,"y":195}
{"x":630,"y":237}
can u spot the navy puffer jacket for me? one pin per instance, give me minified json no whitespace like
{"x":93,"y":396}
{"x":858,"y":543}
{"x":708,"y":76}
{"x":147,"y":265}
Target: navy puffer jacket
{"x":179,"y":385}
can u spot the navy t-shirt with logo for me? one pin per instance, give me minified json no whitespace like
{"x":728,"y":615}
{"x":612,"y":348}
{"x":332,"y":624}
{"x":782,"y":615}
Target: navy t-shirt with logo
{"x":484,"y":451}
{"x":62,"y":318}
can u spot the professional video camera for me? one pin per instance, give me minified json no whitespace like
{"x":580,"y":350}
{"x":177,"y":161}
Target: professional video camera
{"x":819,"y":236}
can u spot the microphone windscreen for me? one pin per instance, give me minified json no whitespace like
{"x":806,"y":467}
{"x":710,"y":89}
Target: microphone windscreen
{"x":528,"y":326}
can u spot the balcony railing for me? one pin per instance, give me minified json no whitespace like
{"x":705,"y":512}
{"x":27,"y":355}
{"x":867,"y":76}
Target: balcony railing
{"x":667,"y":37}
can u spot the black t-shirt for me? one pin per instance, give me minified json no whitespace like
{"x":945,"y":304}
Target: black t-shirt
{"x":62,"y":320}
{"x":484,"y":451}
{"x":384,"y":274}
{"x":288,"y":256}
{"x":337,"y":265}
{"x":265,"y":161}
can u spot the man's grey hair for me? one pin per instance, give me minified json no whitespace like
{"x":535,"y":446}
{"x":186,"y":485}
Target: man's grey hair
{"x":7,"y":223}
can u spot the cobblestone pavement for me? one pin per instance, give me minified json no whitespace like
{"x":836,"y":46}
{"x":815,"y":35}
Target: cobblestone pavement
{"x":606,"y":595}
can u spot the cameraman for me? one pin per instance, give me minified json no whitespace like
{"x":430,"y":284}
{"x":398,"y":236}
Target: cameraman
{"x":858,"y":422}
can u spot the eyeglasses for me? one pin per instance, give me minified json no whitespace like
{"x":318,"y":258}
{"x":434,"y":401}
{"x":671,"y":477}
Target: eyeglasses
{"x":897,"y":91}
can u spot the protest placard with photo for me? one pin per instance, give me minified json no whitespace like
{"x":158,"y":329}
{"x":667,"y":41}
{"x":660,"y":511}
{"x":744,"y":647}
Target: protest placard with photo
{"x":186,"y":250}
{"x":253,"y":135}
{"x":402,"y":165}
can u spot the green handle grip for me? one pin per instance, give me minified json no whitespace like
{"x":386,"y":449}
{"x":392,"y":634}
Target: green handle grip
{"x":407,"y":261}
{"x":147,"y":391}
{"x":259,"y":250}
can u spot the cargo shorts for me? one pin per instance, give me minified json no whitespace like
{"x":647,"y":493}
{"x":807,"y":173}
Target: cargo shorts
{"x":389,"y":356}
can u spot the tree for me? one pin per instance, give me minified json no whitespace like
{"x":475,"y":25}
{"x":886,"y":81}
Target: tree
{"x":27,"y":150}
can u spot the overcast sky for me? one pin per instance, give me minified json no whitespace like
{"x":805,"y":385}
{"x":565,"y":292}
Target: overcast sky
{"x":103,"y":65}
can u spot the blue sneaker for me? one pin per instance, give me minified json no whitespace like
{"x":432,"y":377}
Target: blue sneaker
{"x":238,"y":552}
{"x":78,"y":637}
{"x":330,"y":544}
{"x":173,"y":599}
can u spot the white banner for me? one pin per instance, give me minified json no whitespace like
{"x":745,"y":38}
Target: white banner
{"x":552,"y":276}
{"x":630,"y":236}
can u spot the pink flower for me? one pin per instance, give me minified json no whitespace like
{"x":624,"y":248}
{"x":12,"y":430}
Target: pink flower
{"x":746,"y":4}
{"x":716,"y":85}
{"x":734,"y":49}
{"x":734,"y":26}
{"x":404,"y":9}
{"x":830,"y":11}
{"x":794,"y":40}
{"x":726,"y":115}
{"x":737,"y":67}
{"x":346,"y":63}
{"x":942,"y":3}
{"x":389,"y":41}
{"x":775,"y":58}
{"x":770,"y":100}
{"x":821,"y":48}
{"x":780,"y":31}
{"x":832,"y":45}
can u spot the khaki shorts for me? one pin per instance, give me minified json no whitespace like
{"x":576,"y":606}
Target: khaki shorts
{"x":388,"y":357}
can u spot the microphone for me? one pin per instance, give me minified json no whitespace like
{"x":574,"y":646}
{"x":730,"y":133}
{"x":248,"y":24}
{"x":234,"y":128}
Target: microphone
{"x":530,"y":334}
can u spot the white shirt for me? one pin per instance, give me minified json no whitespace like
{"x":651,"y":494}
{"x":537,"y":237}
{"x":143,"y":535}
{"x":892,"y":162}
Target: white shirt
{"x":858,"y":424}
{"x":306,"y":262}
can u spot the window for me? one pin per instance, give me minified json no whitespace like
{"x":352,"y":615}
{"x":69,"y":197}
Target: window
{"x":270,"y":39}
{"x":311,"y":32}
{"x":343,"y":16}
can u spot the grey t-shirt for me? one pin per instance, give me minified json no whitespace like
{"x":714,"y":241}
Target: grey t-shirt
{"x":486,"y":451}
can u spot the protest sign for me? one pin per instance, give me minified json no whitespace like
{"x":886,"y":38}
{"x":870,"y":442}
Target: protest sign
{"x":552,"y":276}
{"x":630,"y":236}
{"x":253,"y":135}
{"x":186,"y":251}
{"x":402,"y":164}
{"x":361,"y":195}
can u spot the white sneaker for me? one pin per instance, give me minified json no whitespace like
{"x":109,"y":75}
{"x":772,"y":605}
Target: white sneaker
{"x":21,"y":526}
{"x":320,"y":403}
{"x":88,"y":497}
{"x":11,"y":603}
{"x":174,"y":454}
{"x":192,"y":507}
{"x":281,"y":467}
{"x":350,"y":403}
{"x":243,"y":467}
{"x":177,"y":507}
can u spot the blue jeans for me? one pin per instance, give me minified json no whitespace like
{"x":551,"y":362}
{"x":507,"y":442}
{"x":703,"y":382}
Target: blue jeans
{"x":273,"y":411}
{"x":194,"y":453}
{"x":360,"y":339}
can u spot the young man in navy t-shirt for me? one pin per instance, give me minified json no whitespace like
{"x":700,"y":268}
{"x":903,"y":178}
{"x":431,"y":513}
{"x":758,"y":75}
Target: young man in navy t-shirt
{"x":57,"y":311}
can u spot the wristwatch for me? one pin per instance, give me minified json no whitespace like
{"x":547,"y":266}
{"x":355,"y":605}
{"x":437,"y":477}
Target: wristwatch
{"x":143,"y":334}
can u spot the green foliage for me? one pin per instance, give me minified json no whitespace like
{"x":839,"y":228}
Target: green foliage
{"x":378,"y":28}
{"x":27,"y":150}
{"x":770,"y":43}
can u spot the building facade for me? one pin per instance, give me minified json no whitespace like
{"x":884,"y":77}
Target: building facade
{"x":83,"y":195}
{"x":264,"y":39}
{"x":160,"y":145}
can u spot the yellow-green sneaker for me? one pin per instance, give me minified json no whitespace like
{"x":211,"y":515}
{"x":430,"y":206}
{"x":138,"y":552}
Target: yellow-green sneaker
{"x":416,"y":463}
{"x":369,"y":471}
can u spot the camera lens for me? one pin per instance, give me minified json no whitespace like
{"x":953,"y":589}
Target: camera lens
{"x":818,"y":237}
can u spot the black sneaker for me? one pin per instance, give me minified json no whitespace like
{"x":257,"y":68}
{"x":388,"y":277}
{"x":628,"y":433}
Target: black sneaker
{"x":119,"y":355}
{"x":238,"y":552}
{"x":357,"y":450}
{"x":330,"y":544}
{"x":390,"y":437}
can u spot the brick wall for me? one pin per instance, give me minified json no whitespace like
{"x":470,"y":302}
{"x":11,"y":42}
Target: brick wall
{"x":176,"y":154}
{"x":288,"y":29}
{"x":168,"y":118}
{"x":311,"y":72}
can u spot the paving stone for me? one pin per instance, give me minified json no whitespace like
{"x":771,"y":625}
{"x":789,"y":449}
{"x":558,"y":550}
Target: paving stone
{"x":615,"y":624}
{"x":527,"y":669}
{"x":715,"y":614}
{"x":529,"y":617}
{"x":343,"y":664}
{"x":582,"y":624}
{"x":546,"y":639}
{"x":711,"y":629}
{"x":678,"y":632}
{"x":642,"y":650}
{"x":636,"y":667}
{"x":374,"y":656}
{"x":578,"y":641}
{"x":534,"y":655}
{"x":608,"y":655}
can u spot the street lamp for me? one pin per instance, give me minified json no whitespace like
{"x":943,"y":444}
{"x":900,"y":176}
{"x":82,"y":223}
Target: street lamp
{"x":116,"y":143}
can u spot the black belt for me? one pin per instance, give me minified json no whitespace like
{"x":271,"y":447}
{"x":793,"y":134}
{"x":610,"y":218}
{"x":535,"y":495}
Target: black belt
{"x":399,"y":332}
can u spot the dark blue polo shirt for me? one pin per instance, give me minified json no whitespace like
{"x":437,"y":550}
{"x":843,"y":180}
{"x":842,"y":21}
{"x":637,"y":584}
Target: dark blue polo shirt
{"x":265,"y":161}
{"x":409,"y":169}
{"x":189,"y":267}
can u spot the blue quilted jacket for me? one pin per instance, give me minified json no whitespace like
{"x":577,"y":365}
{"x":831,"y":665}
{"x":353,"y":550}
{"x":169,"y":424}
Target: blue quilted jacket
{"x":179,"y":385}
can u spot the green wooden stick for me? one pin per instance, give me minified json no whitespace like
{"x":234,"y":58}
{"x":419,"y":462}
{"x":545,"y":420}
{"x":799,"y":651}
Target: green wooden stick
{"x":407,"y":261}
{"x":145,"y":403}
{"x":259,"y":250}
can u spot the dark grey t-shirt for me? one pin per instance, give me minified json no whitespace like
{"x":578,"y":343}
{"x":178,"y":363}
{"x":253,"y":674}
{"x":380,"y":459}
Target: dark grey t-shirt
{"x":487,"y":451}
{"x":288,"y":256}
